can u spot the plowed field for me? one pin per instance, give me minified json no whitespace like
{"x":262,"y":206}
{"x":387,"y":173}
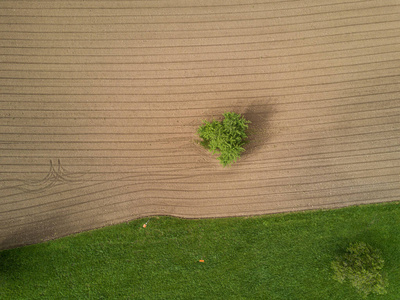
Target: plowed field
{"x":100,"y":102}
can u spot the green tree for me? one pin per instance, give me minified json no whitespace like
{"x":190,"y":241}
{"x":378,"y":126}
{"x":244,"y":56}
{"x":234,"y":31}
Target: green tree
{"x":361,"y":265}
{"x":226,"y":138}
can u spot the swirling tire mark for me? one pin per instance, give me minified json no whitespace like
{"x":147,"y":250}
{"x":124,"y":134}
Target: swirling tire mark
{"x":57,"y":175}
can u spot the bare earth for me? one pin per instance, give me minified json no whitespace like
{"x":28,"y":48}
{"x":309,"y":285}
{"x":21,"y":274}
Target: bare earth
{"x":100,"y":102}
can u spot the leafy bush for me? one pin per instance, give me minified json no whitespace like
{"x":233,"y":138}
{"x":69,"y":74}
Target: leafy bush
{"x":226,"y":138}
{"x":361,"y":265}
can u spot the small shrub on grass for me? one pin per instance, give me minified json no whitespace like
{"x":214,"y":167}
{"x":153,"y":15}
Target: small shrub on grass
{"x":361,"y":265}
{"x":226,"y":138}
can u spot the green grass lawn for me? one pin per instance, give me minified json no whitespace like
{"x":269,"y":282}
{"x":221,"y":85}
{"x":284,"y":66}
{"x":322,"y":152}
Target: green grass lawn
{"x":284,"y":256}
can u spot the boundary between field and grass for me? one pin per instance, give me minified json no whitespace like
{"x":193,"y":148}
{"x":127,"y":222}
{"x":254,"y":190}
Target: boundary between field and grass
{"x":278,"y":256}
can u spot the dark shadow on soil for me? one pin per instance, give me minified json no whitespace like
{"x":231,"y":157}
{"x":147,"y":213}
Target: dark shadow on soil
{"x":34,"y":233}
{"x":259,"y":132}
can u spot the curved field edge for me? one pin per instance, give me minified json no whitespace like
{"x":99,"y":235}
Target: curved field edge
{"x":282,"y":256}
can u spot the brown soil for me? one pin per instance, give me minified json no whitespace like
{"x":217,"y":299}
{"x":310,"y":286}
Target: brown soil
{"x":100,"y":102}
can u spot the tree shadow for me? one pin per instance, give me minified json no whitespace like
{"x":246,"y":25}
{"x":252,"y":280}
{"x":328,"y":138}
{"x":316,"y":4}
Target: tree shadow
{"x":33,"y":233}
{"x":259,"y":132}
